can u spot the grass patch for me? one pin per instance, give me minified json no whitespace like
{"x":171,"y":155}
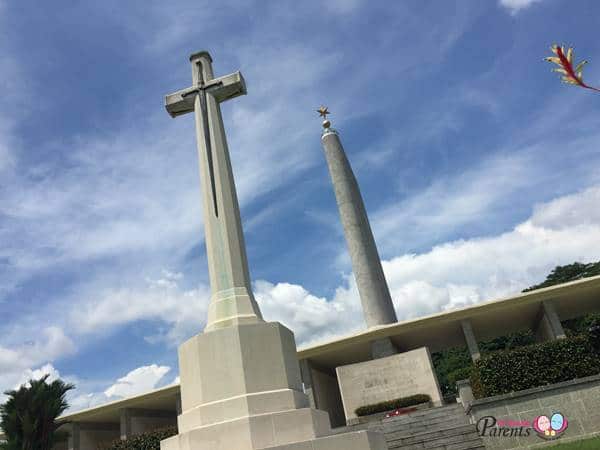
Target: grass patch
{"x":586,"y":444}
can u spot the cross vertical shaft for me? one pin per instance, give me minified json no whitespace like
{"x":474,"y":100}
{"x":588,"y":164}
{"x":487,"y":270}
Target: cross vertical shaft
{"x":202,"y":114}
{"x":232,"y":301}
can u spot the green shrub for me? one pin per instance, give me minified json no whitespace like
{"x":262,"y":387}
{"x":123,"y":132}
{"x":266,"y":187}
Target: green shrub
{"x":463,"y":373}
{"x":392,"y":404}
{"x":448,"y":363}
{"x":535,"y":365}
{"x":145,"y":441}
{"x":581,"y":325}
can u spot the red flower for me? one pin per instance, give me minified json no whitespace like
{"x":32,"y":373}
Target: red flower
{"x":565,"y":62}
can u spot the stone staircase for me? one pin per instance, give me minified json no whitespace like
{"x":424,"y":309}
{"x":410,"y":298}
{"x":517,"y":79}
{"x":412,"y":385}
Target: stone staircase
{"x":442,"y":428}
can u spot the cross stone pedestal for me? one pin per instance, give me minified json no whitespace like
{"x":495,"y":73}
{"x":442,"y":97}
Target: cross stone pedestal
{"x":241,"y":389}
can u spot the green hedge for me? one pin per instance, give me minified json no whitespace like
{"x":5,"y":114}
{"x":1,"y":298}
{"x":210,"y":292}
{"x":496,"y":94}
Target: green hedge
{"x":145,"y":441}
{"x":453,"y":364}
{"x":392,"y":404}
{"x":535,"y":365}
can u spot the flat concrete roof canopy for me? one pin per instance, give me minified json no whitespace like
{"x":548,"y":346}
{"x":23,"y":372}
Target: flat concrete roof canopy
{"x":443,"y":330}
{"x":437,"y":331}
{"x":163,"y":399}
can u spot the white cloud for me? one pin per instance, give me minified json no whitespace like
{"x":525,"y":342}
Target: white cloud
{"x":36,"y":374}
{"x":311,"y":318}
{"x":514,"y":6}
{"x":78,"y":401}
{"x":49,"y":344}
{"x":18,"y":358}
{"x":137,"y":381}
{"x":163,"y":299}
{"x":465,"y":272}
{"x":569,"y":211}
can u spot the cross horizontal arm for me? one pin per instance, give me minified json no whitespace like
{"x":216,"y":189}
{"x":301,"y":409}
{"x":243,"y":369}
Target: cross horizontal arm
{"x":222,"y":89}
{"x":180,"y":102}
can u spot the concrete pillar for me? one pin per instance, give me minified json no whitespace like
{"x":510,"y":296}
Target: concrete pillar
{"x":465,"y":393}
{"x":154,"y":418}
{"x":548,"y":325}
{"x":125,"y":423}
{"x":470,"y":339}
{"x":178,"y":404}
{"x":381,"y":348}
{"x":74,"y":442}
{"x":307,"y":381}
{"x":91,"y":435}
{"x":375,"y":298}
{"x":94,"y":435}
{"x":326,"y":394}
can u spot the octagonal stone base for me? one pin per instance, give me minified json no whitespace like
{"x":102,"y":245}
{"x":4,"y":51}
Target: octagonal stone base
{"x":241,"y":389}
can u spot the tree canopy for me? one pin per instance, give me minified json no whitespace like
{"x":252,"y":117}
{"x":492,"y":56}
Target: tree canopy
{"x":28,"y":417}
{"x":570,"y":272}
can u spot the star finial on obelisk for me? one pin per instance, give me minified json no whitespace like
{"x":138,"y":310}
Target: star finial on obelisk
{"x":323,"y":112}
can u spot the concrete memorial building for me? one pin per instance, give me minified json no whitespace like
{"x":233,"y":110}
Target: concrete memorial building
{"x":244,"y":385}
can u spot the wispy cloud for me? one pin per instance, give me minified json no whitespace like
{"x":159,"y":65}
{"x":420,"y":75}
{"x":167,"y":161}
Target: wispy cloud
{"x":485,"y":189}
{"x":137,"y":381}
{"x":514,"y":6}
{"x":181,"y":311}
{"x":18,"y":358}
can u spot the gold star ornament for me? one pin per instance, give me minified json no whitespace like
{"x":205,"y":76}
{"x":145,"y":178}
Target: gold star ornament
{"x":323,"y":111}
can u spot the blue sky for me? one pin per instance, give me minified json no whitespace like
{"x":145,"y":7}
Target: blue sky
{"x":479,"y":169}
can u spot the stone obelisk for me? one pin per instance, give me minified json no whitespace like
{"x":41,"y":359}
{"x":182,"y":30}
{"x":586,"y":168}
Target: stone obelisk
{"x":240,"y":379}
{"x":375,"y":298}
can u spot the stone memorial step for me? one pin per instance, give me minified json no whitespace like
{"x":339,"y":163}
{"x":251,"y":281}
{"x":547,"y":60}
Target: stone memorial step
{"x":441,"y":428}
{"x":438,"y":437}
{"x":395,"y":433}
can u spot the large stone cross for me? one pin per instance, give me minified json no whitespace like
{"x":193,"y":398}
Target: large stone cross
{"x":232,"y":301}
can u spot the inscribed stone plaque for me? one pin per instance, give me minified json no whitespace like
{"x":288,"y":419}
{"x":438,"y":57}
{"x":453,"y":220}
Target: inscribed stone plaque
{"x":387,"y":378}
